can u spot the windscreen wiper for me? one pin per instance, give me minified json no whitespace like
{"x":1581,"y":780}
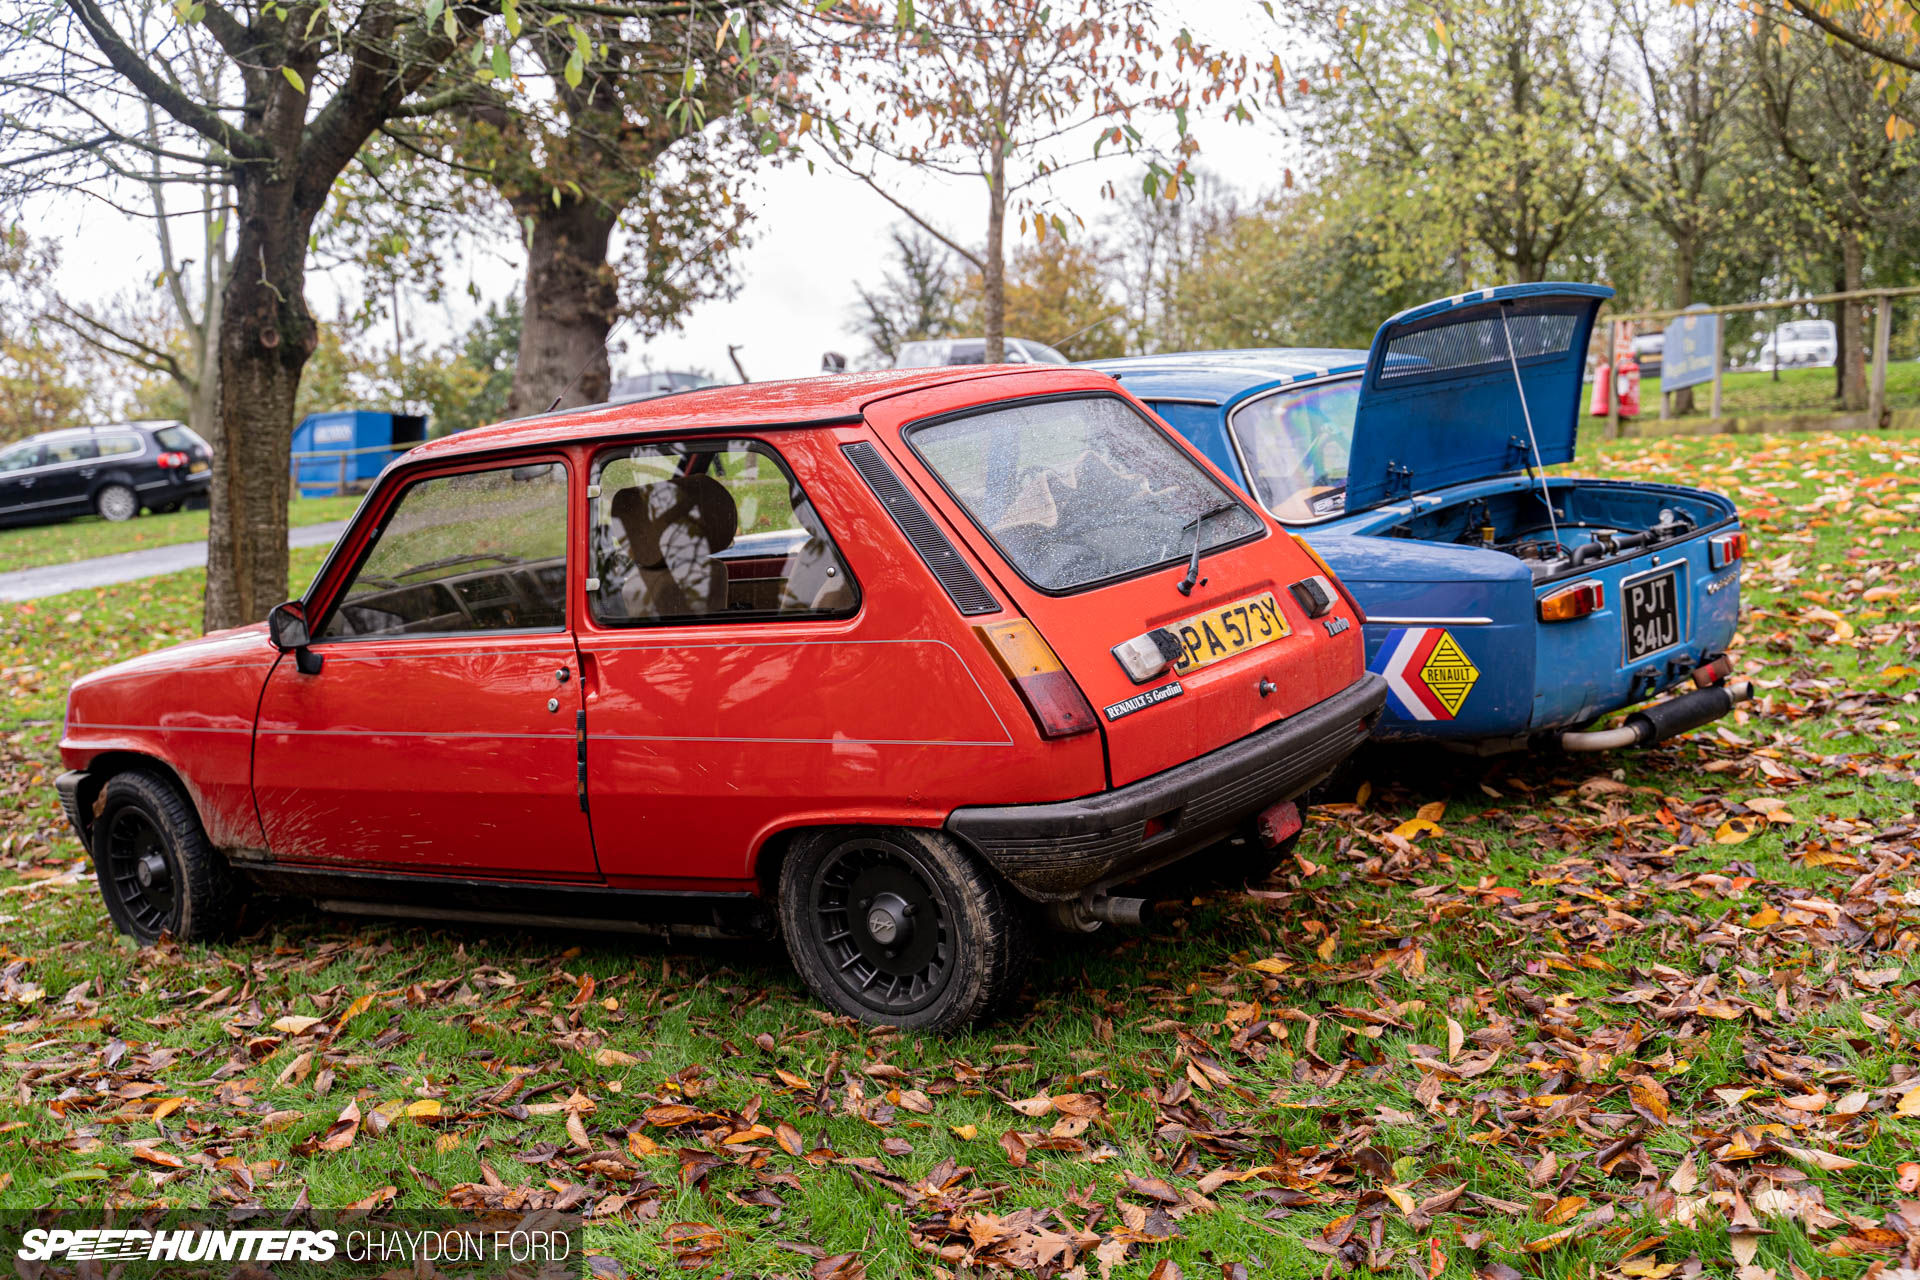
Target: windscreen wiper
{"x":1199,"y":525}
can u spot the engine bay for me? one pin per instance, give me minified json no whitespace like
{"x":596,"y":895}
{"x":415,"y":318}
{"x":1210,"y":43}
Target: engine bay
{"x":1589,"y":524}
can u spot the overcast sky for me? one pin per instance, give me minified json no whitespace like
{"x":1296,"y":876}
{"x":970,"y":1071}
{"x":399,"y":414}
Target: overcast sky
{"x":814,"y":236}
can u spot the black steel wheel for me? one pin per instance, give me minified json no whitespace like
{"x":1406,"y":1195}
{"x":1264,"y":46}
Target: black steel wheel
{"x":156,"y":870}
{"x":900,"y":927}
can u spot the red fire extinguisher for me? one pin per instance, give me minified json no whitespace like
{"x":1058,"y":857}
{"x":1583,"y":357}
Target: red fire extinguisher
{"x":1626,"y":384}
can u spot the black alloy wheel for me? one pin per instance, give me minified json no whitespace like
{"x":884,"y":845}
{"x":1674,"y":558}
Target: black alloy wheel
{"x":143,"y":876}
{"x":156,"y":869}
{"x":886,"y":925}
{"x":901,"y":926}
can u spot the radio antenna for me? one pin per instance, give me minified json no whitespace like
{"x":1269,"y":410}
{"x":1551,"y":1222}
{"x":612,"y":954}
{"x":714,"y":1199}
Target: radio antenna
{"x":686,"y":262}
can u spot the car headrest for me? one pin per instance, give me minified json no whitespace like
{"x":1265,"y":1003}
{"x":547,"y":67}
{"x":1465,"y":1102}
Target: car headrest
{"x":699,"y":504}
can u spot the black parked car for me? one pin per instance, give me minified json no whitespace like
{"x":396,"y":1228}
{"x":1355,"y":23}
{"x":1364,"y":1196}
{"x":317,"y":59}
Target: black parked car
{"x":114,"y":471}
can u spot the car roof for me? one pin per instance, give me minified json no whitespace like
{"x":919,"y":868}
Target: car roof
{"x":148,"y":424}
{"x":817,"y":401}
{"x":1222,"y":376}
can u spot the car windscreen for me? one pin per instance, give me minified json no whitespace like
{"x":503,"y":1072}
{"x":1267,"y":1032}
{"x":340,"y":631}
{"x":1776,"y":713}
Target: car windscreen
{"x":1296,"y":445}
{"x":1080,"y":490}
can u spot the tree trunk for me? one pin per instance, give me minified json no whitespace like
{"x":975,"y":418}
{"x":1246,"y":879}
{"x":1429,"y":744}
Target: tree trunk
{"x":265,"y":335}
{"x":993,"y":273}
{"x":571,"y":301}
{"x":1684,"y":252}
{"x":1852,"y":354}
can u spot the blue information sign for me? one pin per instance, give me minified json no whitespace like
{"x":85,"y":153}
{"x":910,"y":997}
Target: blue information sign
{"x":1687,"y":358}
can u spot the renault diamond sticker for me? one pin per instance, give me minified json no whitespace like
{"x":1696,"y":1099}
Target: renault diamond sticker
{"x":1428,"y":675}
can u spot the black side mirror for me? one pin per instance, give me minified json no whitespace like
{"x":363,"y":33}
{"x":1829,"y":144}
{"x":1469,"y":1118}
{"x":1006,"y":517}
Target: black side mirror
{"x":287,"y":630}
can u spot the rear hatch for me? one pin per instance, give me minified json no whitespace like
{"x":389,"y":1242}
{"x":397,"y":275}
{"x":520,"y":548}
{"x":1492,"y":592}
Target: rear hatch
{"x":1441,"y":400}
{"x":1087,"y":510}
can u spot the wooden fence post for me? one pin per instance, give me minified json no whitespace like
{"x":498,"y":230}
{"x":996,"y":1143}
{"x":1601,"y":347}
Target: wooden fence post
{"x":1719,"y":357}
{"x":1882,"y":338}
{"x":1613,"y":382}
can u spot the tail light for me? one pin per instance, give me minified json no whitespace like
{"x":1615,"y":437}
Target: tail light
{"x":1726,"y":548}
{"x":1057,"y":704}
{"x":173,"y":459}
{"x":1576,"y":601}
{"x":1359,"y":614}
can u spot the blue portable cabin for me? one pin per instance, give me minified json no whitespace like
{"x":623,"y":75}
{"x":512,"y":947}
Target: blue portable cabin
{"x":364,"y":440}
{"x":1414,"y":470}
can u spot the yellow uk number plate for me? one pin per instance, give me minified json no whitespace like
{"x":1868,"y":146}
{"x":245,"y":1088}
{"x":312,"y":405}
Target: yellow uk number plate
{"x":1233,"y":628}
{"x":196,"y":468}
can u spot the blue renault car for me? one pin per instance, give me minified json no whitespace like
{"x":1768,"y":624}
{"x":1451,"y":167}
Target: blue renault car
{"x":1506,"y":608}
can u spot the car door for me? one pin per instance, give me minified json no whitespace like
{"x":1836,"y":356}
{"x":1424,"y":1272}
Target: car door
{"x":440,"y":733}
{"x":738,"y":676}
{"x":65,"y":486}
{"x":18,"y":479}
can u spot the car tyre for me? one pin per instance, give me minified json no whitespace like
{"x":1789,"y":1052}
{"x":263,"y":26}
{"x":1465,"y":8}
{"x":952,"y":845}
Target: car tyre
{"x":156,"y":869}
{"x":901,"y":927}
{"x":117,"y":503}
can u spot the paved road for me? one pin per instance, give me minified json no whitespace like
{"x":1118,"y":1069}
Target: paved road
{"x":104,"y":571}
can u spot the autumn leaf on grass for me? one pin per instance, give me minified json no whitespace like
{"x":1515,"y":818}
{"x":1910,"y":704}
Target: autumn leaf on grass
{"x":360,"y":1005}
{"x":165,"y":1159}
{"x":1649,"y":1099}
{"x":338,"y":1137}
{"x":1842,"y":629}
{"x":1909,"y":1104}
{"x":296,"y":1024}
{"x":1416,"y":826}
{"x":1736,"y":830}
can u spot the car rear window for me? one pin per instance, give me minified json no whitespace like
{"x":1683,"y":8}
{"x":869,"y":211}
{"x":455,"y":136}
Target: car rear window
{"x":178,"y":438}
{"x":1080,"y":491}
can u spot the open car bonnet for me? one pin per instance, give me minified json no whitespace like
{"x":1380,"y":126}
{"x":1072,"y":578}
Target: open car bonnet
{"x":1439,"y":404}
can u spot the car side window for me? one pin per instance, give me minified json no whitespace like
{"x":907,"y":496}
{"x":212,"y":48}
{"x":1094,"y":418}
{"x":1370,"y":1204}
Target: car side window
{"x":19,"y":459}
{"x":473,"y":552}
{"x":118,"y":446}
{"x":73,"y":451}
{"x":688,"y":531}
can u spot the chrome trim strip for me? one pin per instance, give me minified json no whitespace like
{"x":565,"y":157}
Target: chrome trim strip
{"x":1240,"y":455}
{"x":1430,"y":622}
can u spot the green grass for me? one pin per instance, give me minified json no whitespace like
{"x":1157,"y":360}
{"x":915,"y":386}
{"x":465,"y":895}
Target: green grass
{"x":1794,"y":391}
{"x":91,"y":536}
{"x":1577,"y":919}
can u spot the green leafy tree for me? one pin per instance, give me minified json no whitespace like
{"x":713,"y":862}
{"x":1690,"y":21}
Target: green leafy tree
{"x":41,"y":387}
{"x":1060,"y":292}
{"x":1008,"y":96}
{"x":1463,"y":133}
{"x":1851,"y":184}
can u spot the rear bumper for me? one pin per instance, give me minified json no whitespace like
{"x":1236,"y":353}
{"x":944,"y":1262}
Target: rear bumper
{"x":1054,"y":852}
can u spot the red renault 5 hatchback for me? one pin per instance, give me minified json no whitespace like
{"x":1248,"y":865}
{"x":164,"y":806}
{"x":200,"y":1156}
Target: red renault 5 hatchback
{"x":890,"y":663}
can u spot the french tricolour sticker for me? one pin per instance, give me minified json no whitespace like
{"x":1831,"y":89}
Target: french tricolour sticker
{"x":1141,"y":701}
{"x":1428,"y":674}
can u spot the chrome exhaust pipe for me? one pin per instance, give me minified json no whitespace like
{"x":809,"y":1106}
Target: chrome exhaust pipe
{"x":1085,"y":914}
{"x":1664,"y":720}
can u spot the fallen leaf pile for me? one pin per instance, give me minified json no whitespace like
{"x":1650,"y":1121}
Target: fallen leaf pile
{"x":1644,"y":1015}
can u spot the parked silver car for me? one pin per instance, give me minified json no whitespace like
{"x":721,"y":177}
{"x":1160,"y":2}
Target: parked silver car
{"x":1809,"y":344}
{"x":943,"y":351}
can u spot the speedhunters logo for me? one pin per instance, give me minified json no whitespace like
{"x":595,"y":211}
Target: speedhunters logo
{"x":540,"y":1245}
{"x":112,"y":1244}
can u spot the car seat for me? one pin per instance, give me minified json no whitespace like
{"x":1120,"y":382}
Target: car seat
{"x":675,"y":528}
